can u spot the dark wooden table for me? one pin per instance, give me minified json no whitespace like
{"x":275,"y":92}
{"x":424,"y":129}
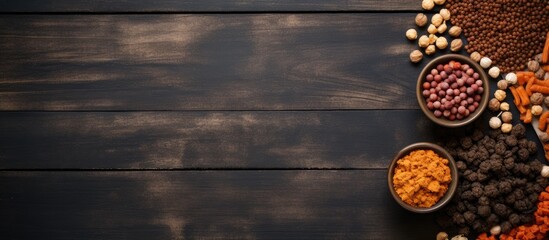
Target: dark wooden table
{"x":206,"y":119}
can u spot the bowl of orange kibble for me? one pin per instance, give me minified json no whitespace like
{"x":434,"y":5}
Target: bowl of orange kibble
{"x":422,"y":177}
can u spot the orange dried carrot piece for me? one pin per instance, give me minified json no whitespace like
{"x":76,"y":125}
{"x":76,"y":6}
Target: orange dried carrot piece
{"x":521,"y":109}
{"x":529,"y":85}
{"x":541,"y":82}
{"x":516,"y":98}
{"x":545,"y":68}
{"x":522,"y":77}
{"x":546,"y":147}
{"x":542,"y":124}
{"x":524,"y":98}
{"x":540,"y":89}
{"x":528,"y":117}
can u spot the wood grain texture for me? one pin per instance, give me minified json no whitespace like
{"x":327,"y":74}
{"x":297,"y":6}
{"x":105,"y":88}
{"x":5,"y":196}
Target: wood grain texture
{"x":205,"y":205}
{"x":206,"y":62}
{"x":204,"y":5}
{"x":165,"y":140}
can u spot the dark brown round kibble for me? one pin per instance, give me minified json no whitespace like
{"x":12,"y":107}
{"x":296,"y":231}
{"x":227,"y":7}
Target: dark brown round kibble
{"x":499,"y":180}
{"x":508,"y":32}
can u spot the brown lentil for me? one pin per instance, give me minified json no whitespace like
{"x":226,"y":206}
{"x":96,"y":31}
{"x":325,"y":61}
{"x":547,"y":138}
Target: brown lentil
{"x":506,"y":31}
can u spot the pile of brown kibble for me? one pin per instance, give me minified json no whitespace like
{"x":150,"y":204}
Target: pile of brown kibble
{"x":499,"y":181}
{"x":507,"y":31}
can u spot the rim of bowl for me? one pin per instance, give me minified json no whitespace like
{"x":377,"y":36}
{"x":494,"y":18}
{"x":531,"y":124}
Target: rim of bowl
{"x":453,"y":171}
{"x":443,"y":121}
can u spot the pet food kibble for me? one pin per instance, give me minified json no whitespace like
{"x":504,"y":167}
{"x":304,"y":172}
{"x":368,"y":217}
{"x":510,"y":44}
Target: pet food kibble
{"x":509,"y":32}
{"x":498,"y":184}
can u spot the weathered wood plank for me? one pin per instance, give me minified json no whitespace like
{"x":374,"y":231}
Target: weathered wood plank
{"x":205,"y":204}
{"x":164,"y":140}
{"x":206,"y":62}
{"x":205,"y":5}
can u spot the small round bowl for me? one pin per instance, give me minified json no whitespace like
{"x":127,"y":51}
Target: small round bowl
{"x":453,"y":171}
{"x":442,"y":60}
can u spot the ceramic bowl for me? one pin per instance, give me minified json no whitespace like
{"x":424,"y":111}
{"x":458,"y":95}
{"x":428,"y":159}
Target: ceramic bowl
{"x":442,"y":153}
{"x":442,"y":120}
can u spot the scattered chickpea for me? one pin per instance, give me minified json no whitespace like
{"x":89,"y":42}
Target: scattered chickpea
{"x":495,"y":122}
{"x":455,"y":31}
{"x":442,"y":236}
{"x":423,"y":41}
{"x":456,"y":45}
{"x":507,"y":117}
{"x":504,"y":106}
{"x":485,"y":62}
{"x":436,"y":19}
{"x":430,"y":50}
{"x":494,"y":72}
{"x":432,"y":38}
{"x":502,"y":84}
{"x":494,"y":105}
{"x":506,"y":127}
{"x":441,"y":43}
{"x":440,"y":2}
{"x":445,"y":13}
{"x":511,"y":78}
{"x":427,"y":4}
{"x":442,"y":28}
{"x":432,"y":29}
{"x":500,"y":95}
{"x":459,"y":237}
{"x":421,"y":19}
{"x":495,"y":230}
{"x":536,"y":110}
{"x":411,"y":34}
{"x":545,"y":171}
{"x":475,"y":56}
{"x":416,"y":56}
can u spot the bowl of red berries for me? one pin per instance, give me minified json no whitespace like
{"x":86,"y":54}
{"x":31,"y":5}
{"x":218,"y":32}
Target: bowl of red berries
{"x":452,"y":90}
